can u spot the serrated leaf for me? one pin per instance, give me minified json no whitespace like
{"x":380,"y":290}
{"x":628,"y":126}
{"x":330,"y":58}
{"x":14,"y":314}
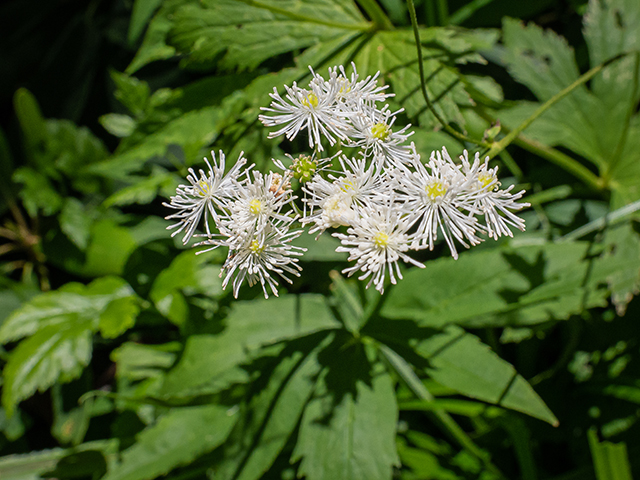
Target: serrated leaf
{"x":599,"y":124}
{"x":275,"y":411}
{"x":210,"y":362}
{"x":131,"y":92}
{"x":249,"y":33}
{"x":461,"y":361}
{"x":72,"y":301}
{"x":59,"y":326}
{"x":55,"y":353}
{"x":348,"y":428}
{"x":513,"y":286}
{"x":142,"y":12}
{"x":179,"y":437}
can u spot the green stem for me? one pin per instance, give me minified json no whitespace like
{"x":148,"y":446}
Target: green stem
{"x":423,"y":85}
{"x":497,"y":147}
{"x":609,"y":219}
{"x":430,"y":11}
{"x":443,"y":12}
{"x":563,"y":161}
{"x":413,"y":382}
{"x":376,"y":14}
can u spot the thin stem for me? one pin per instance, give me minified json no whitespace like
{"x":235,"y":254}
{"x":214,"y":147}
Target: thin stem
{"x":430,"y":11}
{"x":497,"y":147}
{"x":597,"y":224}
{"x":443,"y":12}
{"x":376,"y":14}
{"x":451,"y":131}
{"x":403,"y":369}
{"x":563,"y":161}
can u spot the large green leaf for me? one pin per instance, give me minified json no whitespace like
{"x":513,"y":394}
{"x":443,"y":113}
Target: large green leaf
{"x":211,"y":362}
{"x":59,"y":326}
{"x":460,"y":361}
{"x":348,"y":428}
{"x":178,"y":438}
{"x":600,"y":124}
{"x":520,"y":285}
{"x":242,"y":34}
{"x":273,"y":413}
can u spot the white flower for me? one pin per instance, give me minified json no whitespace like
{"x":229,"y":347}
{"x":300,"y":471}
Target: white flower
{"x":257,"y":202}
{"x":436,"y":199}
{"x":352,"y":93}
{"x":495,"y":204}
{"x":376,"y":243}
{"x":210,"y":192}
{"x":335,"y":202}
{"x":373,"y":133}
{"x":255,"y":257}
{"x":312,"y":109}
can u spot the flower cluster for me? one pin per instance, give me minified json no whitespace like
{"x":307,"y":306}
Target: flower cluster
{"x":381,"y":203}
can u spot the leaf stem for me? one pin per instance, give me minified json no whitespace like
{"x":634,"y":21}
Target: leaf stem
{"x":376,"y":14}
{"x":443,"y":12}
{"x":497,"y":147}
{"x":562,"y":160}
{"x":450,"y":130}
{"x":404,"y":370}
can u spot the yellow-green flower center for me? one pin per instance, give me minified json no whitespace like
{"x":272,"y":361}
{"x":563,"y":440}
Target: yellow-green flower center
{"x":381,"y":240}
{"x":381,"y":131}
{"x":303,"y":168}
{"x":347,"y":185}
{"x":255,"y":247}
{"x":435,"y":189}
{"x":485,"y":179}
{"x":255,"y":206}
{"x":310,"y":101}
{"x":203,"y":188}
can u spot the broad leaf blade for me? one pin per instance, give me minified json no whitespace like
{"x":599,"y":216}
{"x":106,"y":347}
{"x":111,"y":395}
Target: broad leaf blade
{"x":179,"y":437}
{"x":461,"y":361}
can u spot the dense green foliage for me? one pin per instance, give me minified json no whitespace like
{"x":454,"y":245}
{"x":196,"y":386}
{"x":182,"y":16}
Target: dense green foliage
{"x":124,"y":359}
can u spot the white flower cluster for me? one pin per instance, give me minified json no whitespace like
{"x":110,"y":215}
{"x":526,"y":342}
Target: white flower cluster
{"x":384,"y":202}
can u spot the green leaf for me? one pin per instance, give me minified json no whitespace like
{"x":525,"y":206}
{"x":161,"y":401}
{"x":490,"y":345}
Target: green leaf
{"x":545,"y":63}
{"x":117,"y":124}
{"x":460,"y":361}
{"x":188,"y":274}
{"x":249,"y":33}
{"x":210,"y":362}
{"x":131,"y":92}
{"x":136,"y":361}
{"x":610,"y":460}
{"x":109,"y":249}
{"x":348,"y":429}
{"x":179,"y":437}
{"x":191,"y":131}
{"x":73,"y":301}
{"x":37,"y":193}
{"x":119,"y":316}
{"x":516,"y":286}
{"x":144,"y":189}
{"x":30,"y":117}
{"x":273,"y":413}
{"x":55,"y":353}
{"x":142,"y":12}
{"x":60,"y":326}
{"x":75,"y":222}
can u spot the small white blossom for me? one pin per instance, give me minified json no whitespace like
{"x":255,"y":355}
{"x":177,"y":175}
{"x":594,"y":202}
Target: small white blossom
{"x":255,"y":256}
{"x":210,"y":193}
{"x":312,"y":109}
{"x":376,"y":243}
{"x":435,"y":198}
{"x":373,"y":133}
{"x":495,"y":204}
